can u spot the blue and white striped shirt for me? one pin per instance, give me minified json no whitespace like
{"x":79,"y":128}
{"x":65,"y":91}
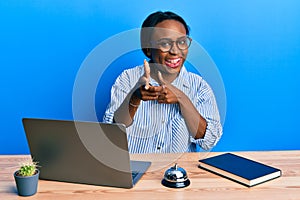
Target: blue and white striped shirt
{"x":160,"y":128}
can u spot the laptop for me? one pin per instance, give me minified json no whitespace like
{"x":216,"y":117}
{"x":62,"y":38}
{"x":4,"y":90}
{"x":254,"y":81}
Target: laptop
{"x":83,"y":152}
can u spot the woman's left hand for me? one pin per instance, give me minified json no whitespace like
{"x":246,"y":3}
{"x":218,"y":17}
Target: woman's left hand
{"x":170,"y":94}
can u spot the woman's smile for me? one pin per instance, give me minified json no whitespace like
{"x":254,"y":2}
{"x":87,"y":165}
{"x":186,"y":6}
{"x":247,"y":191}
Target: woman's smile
{"x":173,"y":62}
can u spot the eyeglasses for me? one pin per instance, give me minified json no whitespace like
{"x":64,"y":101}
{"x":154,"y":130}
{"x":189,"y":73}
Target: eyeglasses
{"x":166,"y":44}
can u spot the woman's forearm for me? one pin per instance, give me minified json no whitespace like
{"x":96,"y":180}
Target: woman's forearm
{"x":125,"y":113}
{"x":194,"y":121}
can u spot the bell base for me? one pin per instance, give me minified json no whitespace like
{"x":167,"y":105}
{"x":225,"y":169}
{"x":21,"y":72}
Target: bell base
{"x":176,"y":185}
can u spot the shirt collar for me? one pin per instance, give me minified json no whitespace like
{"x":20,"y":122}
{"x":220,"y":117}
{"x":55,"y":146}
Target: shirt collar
{"x":182,"y":79}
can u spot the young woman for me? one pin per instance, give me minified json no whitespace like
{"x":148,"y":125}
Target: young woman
{"x":164,"y":107}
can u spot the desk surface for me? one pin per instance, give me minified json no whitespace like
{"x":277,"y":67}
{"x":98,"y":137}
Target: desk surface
{"x":204,"y":185}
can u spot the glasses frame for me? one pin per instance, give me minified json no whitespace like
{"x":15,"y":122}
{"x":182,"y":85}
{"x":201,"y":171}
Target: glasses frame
{"x":172,"y":41}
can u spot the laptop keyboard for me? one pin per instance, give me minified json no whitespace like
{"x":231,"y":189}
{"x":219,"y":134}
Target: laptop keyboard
{"x":134,"y":174}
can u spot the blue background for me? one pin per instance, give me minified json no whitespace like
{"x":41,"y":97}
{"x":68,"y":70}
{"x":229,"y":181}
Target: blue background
{"x":255,"y":45}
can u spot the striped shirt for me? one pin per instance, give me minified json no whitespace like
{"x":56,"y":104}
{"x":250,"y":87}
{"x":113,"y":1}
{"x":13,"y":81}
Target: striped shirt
{"x":160,"y":128}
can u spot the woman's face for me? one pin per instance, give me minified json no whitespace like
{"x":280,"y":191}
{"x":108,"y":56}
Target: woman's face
{"x":166,"y":33}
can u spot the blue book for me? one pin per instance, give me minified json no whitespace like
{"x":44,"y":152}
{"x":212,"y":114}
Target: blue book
{"x":240,"y":169}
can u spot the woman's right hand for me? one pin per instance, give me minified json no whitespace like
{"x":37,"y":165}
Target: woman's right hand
{"x":145,"y":91}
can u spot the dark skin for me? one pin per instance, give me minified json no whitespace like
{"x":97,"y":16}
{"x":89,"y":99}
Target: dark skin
{"x":164,"y":68}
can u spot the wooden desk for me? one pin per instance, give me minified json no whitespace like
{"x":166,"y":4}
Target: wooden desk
{"x":204,"y":185}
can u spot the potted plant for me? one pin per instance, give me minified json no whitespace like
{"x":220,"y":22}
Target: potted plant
{"x":26,"y":178}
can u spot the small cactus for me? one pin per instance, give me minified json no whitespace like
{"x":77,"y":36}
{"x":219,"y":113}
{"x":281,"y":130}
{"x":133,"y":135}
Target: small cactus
{"x":27,"y":168}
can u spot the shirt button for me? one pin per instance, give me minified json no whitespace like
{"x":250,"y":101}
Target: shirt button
{"x":162,"y":121}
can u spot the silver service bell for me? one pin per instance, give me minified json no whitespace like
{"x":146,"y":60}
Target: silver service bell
{"x":175,"y":177}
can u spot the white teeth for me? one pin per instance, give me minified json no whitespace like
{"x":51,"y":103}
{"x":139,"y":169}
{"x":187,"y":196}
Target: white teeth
{"x":173,"y":61}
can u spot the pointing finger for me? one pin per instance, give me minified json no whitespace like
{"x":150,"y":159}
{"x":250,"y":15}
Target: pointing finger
{"x":147,"y":74}
{"x":161,"y":79}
